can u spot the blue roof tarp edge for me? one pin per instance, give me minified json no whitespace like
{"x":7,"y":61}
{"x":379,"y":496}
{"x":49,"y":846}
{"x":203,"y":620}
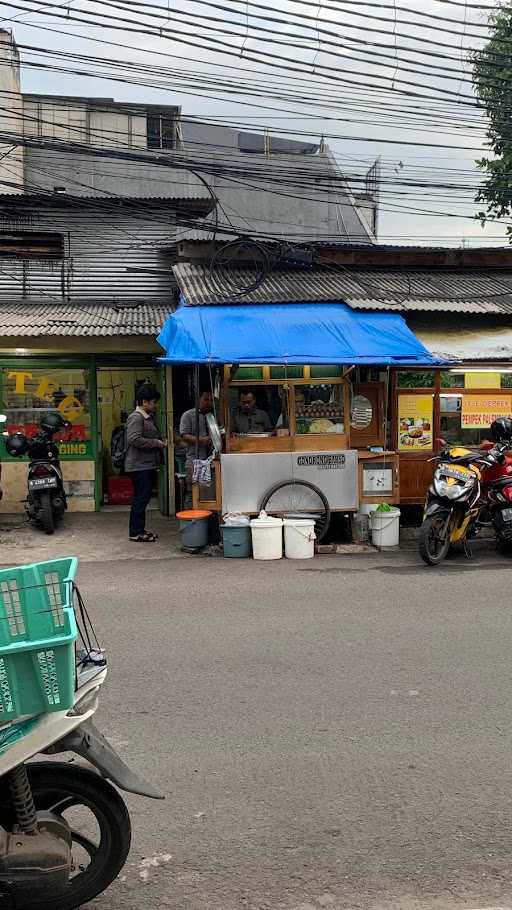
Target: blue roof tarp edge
{"x":295,"y":333}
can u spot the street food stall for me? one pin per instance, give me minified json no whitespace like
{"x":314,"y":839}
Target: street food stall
{"x":300,"y":434}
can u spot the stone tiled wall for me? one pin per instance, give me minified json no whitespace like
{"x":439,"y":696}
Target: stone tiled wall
{"x":78,"y":479}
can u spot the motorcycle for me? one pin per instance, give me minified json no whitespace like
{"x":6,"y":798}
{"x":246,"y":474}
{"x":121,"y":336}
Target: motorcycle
{"x":454,"y":502}
{"x":64,"y":829}
{"x":46,"y":500}
{"x":497,"y":488}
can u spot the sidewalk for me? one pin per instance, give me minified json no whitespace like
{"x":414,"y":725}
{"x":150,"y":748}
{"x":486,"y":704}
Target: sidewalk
{"x":90,"y":536}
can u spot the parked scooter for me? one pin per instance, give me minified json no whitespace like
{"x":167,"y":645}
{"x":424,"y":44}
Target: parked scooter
{"x":46,"y":499}
{"x":64,"y":830}
{"x":454,"y":501}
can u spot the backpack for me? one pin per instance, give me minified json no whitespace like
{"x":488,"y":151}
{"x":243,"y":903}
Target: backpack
{"x":118,"y":447}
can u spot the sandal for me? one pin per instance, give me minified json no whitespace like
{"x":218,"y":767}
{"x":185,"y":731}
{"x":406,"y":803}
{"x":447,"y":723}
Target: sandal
{"x":150,"y":534}
{"x":143,"y":538}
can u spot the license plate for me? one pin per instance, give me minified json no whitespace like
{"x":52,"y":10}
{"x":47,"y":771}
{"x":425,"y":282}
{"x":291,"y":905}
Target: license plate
{"x":457,"y":473}
{"x":506,"y":514}
{"x":42,"y":483}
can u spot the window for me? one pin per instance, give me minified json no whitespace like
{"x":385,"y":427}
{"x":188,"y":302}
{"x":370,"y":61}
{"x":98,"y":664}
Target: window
{"x":319,"y":408}
{"x":29,"y":393}
{"x":476,"y":379}
{"x":451,"y":423}
{"x":31,"y":245}
{"x":258,"y":409}
{"x":161,"y":130}
{"x":413,"y":379}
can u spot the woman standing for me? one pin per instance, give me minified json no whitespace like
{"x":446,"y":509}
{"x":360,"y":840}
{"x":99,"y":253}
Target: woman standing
{"x":143,"y":457}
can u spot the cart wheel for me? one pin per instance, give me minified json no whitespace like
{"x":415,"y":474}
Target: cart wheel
{"x":299,"y":499}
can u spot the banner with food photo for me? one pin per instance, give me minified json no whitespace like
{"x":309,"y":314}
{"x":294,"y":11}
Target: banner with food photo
{"x":415,"y":421}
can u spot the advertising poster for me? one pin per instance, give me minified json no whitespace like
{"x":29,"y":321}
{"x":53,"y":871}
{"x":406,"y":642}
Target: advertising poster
{"x":479,"y":411}
{"x":415,"y":422}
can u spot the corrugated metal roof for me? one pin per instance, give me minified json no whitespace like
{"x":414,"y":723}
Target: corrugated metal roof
{"x":95,"y":318}
{"x":188,"y":198}
{"x":365,"y":289}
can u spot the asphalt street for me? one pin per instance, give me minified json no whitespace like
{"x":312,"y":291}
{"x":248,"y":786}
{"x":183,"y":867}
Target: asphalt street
{"x":334,"y":733}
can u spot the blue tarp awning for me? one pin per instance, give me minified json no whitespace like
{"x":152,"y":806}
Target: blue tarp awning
{"x":289,"y":333}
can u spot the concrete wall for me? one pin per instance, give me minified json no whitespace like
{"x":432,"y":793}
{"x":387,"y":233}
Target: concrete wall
{"x":11,"y":116}
{"x":78,"y":481}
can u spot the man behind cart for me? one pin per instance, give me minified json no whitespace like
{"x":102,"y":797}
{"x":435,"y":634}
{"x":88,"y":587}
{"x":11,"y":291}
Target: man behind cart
{"x":247,"y":417}
{"x":188,"y":429}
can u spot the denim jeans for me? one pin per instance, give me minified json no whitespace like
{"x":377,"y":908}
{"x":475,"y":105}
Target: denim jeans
{"x":143,"y":484}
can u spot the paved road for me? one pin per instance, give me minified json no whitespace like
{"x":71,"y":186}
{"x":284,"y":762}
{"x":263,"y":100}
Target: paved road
{"x":335,"y":733}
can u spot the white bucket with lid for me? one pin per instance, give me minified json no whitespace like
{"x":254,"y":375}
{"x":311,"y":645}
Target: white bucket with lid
{"x":299,"y":538}
{"x":385,"y":528}
{"x":267,"y":537}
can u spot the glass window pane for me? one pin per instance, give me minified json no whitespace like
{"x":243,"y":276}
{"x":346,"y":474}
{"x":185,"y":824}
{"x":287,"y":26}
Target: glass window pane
{"x":506,"y":381}
{"x":153,"y":130}
{"x":319,"y":409}
{"x":414,"y":379}
{"x":167,"y":127}
{"x":451,"y":380}
{"x":325,"y":370}
{"x":451,"y":424}
{"x":261,"y":409}
{"x":248,"y":373}
{"x":286,"y":372}
{"x":30,"y":393}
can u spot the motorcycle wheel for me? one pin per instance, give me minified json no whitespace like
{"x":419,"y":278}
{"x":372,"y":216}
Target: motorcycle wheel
{"x":100,"y":849}
{"x":47,"y":519}
{"x":432,"y":548}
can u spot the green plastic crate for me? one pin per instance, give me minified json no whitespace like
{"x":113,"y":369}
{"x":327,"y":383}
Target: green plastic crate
{"x":37,"y":638}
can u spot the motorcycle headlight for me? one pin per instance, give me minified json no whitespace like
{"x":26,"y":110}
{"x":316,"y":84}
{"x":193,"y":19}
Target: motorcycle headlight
{"x":449,"y":490}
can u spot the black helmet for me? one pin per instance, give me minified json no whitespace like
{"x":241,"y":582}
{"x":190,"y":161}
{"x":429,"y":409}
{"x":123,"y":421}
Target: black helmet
{"x":17,"y":444}
{"x":501,"y":429}
{"x":53,"y":422}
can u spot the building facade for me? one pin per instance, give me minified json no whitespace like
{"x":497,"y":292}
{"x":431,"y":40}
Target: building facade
{"x":95,"y":196}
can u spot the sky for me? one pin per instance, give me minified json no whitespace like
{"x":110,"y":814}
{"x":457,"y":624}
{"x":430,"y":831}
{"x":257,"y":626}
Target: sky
{"x":363,"y":68}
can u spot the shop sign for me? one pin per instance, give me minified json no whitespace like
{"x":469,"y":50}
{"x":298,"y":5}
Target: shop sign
{"x":324,"y":462}
{"x":415,"y":422}
{"x":70,"y":407}
{"x":35,"y":388}
{"x":479,"y":411}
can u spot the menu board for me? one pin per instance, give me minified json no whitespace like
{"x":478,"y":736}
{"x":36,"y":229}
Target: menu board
{"x":479,"y":411}
{"x":415,"y":421}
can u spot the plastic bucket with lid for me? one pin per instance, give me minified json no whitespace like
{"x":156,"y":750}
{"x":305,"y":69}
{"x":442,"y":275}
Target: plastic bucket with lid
{"x":299,"y":538}
{"x":236,"y":541}
{"x":194,"y":527}
{"x":267,"y":537}
{"x":385,"y":528}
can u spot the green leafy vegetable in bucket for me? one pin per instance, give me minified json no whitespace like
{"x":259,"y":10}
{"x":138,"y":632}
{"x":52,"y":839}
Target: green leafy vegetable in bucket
{"x":384,"y":507}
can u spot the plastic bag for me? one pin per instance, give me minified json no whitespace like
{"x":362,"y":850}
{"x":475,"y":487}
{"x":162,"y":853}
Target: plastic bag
{"x":236,"y":519}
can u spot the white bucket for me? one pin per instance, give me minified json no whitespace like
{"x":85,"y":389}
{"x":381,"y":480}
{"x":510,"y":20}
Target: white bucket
{"x":385,"y":528}
{"x":299,"y":538}
{"x":366,"y":508}
{"x":267,"y":537}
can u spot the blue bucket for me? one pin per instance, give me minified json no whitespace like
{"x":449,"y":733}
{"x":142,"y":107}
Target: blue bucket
{"x":237,"y":541}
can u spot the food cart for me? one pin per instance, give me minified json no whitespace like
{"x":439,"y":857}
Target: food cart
{"x":324,"y":446}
